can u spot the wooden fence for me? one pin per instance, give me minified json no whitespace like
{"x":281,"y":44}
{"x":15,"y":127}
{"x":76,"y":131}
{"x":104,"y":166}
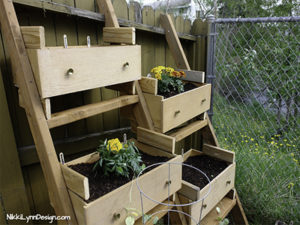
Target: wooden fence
{"x":77,"y":19}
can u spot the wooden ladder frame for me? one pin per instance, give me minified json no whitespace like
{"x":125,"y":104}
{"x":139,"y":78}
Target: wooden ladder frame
{"x":58,"y":194}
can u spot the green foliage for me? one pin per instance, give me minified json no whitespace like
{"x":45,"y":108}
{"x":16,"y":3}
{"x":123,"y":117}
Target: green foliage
{"x":168,"y":79}
{"x":119,"y":159}
{"x":268,"y":170}
{"x":169,"y":84}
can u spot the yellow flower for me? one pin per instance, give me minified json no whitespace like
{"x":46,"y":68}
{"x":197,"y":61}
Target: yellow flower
{"x":292,"y":154}
{"x":291,"y":185}
{"x":158,"y":76}
{"x":169,"y":69}
{"x":114,"y":145}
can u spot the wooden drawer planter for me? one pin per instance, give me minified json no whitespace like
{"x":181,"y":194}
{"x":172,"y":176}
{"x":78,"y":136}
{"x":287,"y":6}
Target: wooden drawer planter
{"x":220,"y":185}
{"x":59,"y":70}
{"x":176,"y":110}
{"x":103,"y":210}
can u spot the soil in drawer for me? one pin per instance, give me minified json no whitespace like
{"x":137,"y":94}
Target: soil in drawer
{"x":187,"y":87}
{"x":210,"y":166}
{"x":100,"y":185}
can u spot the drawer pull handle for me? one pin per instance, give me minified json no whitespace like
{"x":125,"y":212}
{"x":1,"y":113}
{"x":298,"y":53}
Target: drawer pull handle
{"x":228,"y":182}
{"x":168,"y":182}
{"x":116,"y":216}
{"x":204,"y":206}
{"x":203,"y":100}
{"x":70,"y":71}
{"x":177,"y":112}
{"x":126,"y":65}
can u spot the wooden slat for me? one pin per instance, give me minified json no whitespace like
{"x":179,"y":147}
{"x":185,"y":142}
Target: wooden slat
{"x":238,"y":212}
{"x":208,"y":133}
{"x":174,"y":42}
{"x":33,"y":36}
{"x":219,"y":153}
{"x":124,"y":35}
{"x":156,"y":139}
{"x":71,"y":115}
{"x":76,"y":182}
{"x":47,"y":107}
{"x":188,"y":130}
{"x":225,"y":205}
{"x":149,"y":85}
{"x":141,"y":111}
{"x":180,"y":208}
{"x":12,"y":188}
{"x":195,"y":76}
{"x":106,"y":7}
{"x":58,"y":193}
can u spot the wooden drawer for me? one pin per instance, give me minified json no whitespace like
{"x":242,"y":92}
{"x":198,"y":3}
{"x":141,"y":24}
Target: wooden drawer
{"x":171,"y":112}
{"x":102,"y":210}
{"x":92,"y":67}
{"x":220,"y":185}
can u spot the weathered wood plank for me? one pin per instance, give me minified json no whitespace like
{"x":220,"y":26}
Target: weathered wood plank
{"x":13,"y":194}
{"x":156,"y":139}
{"x":53,"y":176}
{"x":71,"y":115}
{"x":107,"y":8}
{"x":188,"y":130}
{"x":33,"y":36}
{"x":122,"y":35}
{"x":174,"y":42}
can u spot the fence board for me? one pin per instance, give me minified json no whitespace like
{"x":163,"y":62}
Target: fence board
{"x":148,"y":45}
{"x":135,"y":12}
{"x":85,"y":4}
{"x":121,"y":9}
{"x":160,"y":45}
{"x":65,"y":2}
{"x":12,"y":189}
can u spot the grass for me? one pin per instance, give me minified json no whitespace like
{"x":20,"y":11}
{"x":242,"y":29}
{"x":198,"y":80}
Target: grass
{"x":268,"y":171}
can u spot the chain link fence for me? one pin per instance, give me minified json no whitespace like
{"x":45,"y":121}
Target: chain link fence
{"x":256,"y":112}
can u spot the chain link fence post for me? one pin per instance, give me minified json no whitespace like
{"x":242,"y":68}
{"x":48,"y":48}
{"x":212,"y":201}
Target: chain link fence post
{"x":210,"y":63}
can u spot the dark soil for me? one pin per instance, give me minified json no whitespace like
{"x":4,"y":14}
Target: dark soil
{"x":210,"y":166}
{"x":187,"y":87}
{"x":100,"y":185}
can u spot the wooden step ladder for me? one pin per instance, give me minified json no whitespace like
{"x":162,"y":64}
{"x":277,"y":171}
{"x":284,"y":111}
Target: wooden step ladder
{"x":41,"y":121}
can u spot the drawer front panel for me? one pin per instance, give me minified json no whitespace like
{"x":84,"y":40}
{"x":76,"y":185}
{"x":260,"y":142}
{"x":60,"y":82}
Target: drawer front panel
{"x":181,"y":108}
{"x":61,"y":71}
{"x":153,"y":183}
{"x":221,"y":185}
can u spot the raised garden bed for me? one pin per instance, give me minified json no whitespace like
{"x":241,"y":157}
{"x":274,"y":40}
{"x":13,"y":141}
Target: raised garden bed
{"x":219,"y":165}
{"x":168,"y":113}
{"x":110,"y":207}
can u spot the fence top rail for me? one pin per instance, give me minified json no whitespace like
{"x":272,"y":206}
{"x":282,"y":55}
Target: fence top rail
{"x":258,"y":19}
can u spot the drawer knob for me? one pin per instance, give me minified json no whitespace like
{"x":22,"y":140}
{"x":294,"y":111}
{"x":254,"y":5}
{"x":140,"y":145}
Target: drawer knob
{"x":168,"y":182}
{"x":117,"y":216}
{"x":70,"y":71}
{"x":177,"y":112}
{"x":126,"y":65}
{"x":228,"y":182}
{"x":204,"y":206}
{"x":203,"y":100}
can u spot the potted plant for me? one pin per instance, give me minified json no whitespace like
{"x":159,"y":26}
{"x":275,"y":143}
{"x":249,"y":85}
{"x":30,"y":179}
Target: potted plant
{"x":219,"y":165}
{"x":174,"y":97}
{"x":102,"y":185}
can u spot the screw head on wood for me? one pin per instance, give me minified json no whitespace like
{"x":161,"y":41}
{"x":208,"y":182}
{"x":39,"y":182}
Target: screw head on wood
{"x":70,"y":71}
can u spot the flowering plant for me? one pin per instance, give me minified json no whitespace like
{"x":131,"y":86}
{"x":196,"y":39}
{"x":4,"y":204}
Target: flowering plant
{"x":119,"y":159}
{"x":168,"y":79}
